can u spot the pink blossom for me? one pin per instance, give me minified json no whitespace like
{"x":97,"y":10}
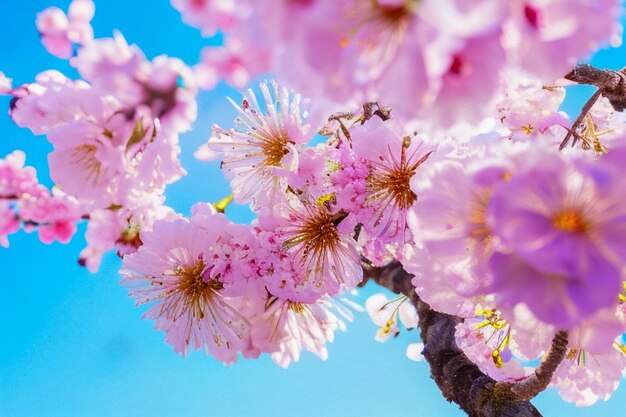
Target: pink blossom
{"x":563,"y":227}
{"x":264,"y":145}
{"x":60,"y":32}
{"x":547,"y":37}
{"x":9,"y":222}
{"x":16,"y":179}
{"x":328,"y":254}
{"x":237,"y":63}
{"x":55,"y":215}
{"x":286,"y":328}
{"x":173,"y":267}
{"x":212,"y":15}
{"x":586,"y":376}
{"x":165,"y":85}
{"x":5,"y":84}
{"x":392,"y":163}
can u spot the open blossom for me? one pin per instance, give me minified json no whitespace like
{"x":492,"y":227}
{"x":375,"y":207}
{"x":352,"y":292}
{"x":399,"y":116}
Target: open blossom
{"x":324,"y":246}
{"x":264,"y":145}
{"x":387,"y":313}
{"x":174,"y":267}
{"x":563,"y":225}
{"x":165,"y":85}
{"x":60,"y":32}
{"x":287,"y":327}
{"x":596,"y":359}
{"x":392,"y":162}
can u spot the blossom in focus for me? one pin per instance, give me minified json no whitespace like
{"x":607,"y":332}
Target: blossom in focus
{"x":392,"y":162}
{"x":322,"y":242}
{"x":174,"y":268}
{"x":287,"y":327}
{"x":264,"y":145}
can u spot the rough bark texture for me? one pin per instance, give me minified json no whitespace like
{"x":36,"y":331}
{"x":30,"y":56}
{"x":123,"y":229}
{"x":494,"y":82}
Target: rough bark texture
{"x":611,"y":84}
{"x":458,"y":378}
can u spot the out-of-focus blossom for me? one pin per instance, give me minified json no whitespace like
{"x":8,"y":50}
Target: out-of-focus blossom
{"x":237,"y":63}
{"x":212,"y":15}
{"x":5,"y":84}
{"x":60,"y":32}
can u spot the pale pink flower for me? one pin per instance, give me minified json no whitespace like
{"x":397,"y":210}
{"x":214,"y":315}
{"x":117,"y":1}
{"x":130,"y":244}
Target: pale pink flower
{"x":53,"y":100}
{"x":485,"y":338}
{"x":547,"y":37}
{"x":212,"y":15}
{"x":584,"y":377}
{"x":60,"y":32}
{"x":237,"y":63}
{"x":17,"y":180}
{"x":563,"y":227}
{"x":286,"y":328}
{"x":528,"y":109}
{"x":173,"y":267}
{"x":264,"y":145}
{"x":55,"y":216}
{"x":5,"y":84}
{"x":164,"y":85}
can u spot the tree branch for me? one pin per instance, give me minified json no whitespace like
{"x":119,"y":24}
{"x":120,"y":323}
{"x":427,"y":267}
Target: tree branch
{"x":529,"y":388}
{"x":611,"y":84}
{"x":458,"y":378}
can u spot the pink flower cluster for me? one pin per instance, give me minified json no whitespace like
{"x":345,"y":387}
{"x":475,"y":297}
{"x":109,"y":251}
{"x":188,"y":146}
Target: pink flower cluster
{"x":497,"y":226}
{"x":435,"y":56}
{"x":24,"y":203}
{"x":114,"y":132}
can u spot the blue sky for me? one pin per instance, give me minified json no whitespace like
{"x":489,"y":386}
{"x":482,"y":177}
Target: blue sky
{"x":73,"y":344}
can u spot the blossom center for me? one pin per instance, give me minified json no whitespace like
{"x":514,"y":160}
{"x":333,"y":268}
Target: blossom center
{"x":85,"y":156}
{"x":396,"y":183}
{"x":570,"y":221}
{"x":274,"y":149}
{"x":319,"y":234}
{"x":195,"y":288}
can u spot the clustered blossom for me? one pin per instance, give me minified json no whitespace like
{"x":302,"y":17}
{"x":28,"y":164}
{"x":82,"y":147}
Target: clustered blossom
{"x":460,"y":180}
{"x":61,"y":32}
{"x":440,"y":56}
{"x":114,"y":132}
{"x":27,"y":204}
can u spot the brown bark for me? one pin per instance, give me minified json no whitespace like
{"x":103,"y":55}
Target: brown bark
{"x":458,"y":378}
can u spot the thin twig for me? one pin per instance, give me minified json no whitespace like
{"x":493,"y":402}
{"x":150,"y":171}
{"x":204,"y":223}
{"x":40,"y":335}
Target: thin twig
{"x":585,"y":110}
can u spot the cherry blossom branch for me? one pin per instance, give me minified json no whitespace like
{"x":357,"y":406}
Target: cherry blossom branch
{"x":611,"y":84}
{"x":529,"y":388}
{"x":458,"y":378}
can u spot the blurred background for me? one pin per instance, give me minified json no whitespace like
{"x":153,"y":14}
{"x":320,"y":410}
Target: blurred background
{"x":73,"y":344}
